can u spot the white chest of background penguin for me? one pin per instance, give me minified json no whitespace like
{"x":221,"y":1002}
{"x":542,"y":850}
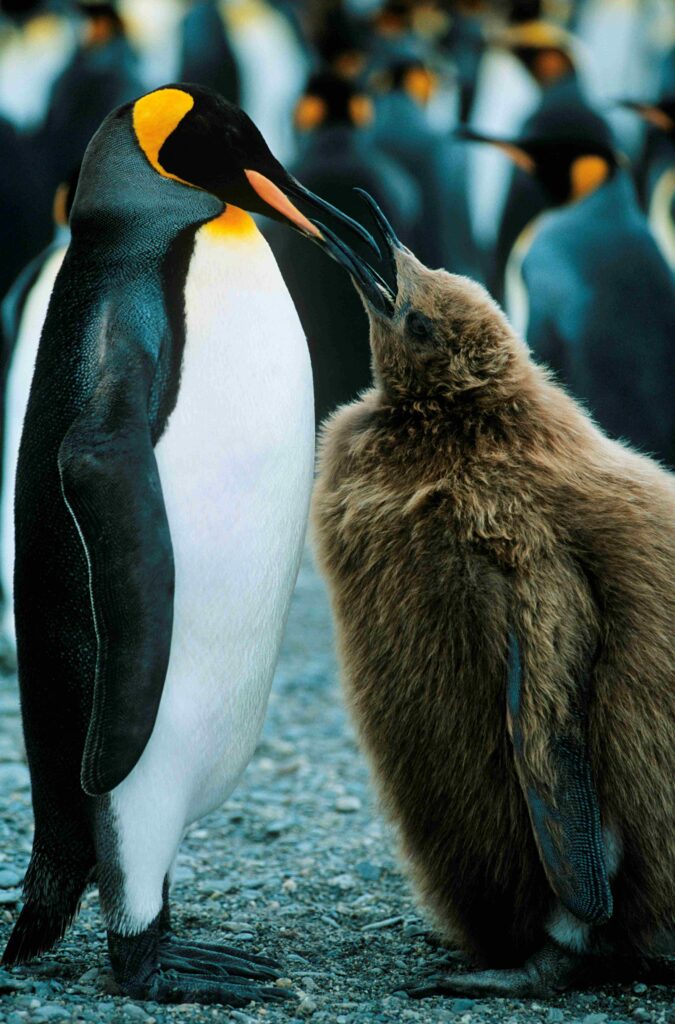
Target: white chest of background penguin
{"x":163,"y":484}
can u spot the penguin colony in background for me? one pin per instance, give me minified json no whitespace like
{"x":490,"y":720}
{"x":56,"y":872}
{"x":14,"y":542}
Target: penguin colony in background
{"x":605,"y":323}
{"x":501,"y":577}
{"x":162,"y":491}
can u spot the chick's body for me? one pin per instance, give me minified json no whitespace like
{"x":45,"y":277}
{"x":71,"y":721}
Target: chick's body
{"x":464,"y":497}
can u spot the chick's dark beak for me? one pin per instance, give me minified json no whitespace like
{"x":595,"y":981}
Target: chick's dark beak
{"x":379,"y":293}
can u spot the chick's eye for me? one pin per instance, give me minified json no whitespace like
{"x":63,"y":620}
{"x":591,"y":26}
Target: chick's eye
{"x":419,"y":326}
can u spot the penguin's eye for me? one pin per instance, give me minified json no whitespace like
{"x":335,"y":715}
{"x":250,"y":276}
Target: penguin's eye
{"x":419,"y":326}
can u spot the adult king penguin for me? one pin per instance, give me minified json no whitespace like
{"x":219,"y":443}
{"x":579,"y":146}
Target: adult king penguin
{"x":162,"y":491}
{"x":588,"y":287}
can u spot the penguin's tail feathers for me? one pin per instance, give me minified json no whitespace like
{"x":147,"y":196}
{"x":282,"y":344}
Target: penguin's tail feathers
{"x":38,"y":928}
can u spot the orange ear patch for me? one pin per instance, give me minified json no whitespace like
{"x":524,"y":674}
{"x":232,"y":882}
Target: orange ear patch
{"x":310,"y":112}
{"x":586,"y":174}
{"x":233,"y":224}
{"x":155,"y":117}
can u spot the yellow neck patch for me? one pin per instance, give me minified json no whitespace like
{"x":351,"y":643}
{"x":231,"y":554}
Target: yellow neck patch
{"x":233,"y":225}
{"x":155,"y":117}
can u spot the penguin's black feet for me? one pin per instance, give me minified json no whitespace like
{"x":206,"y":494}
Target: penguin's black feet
{"x":550,"y":971}
{"x":168,"y":970}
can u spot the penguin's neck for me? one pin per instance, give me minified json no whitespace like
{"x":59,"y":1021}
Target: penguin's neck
{"x":124,"y":208}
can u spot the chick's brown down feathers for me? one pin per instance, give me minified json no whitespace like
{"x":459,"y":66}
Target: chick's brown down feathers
{"x":464,"y":496}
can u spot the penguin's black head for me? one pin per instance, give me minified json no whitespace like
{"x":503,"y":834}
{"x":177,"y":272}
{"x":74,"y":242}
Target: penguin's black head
{"x":194,"y":136}
{"x":546,"y":51}
{"x":571,"y":155}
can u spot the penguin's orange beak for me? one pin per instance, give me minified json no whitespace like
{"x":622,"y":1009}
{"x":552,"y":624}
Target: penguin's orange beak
{"x":516,"y":153}
{"x":277,"y":199}
{"x":272,"y":195}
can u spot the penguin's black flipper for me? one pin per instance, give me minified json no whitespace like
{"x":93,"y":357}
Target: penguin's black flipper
{"x":111,"y":485}
{"x":565,"y":818}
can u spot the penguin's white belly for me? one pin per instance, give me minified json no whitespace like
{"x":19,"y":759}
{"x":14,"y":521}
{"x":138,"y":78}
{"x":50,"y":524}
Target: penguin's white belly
{"x":235,"y":462}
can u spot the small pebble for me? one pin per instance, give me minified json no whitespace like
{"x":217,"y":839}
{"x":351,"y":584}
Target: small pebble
{"x":9,"y":878}
{"x":9,"y":896}
{"x":639,"y":988}
{"x":461,"y":1005}
{"x":89,"y":976}
{"x":9,"y":983}
{"x":307,"y":1005}
{"x":283,"y":983}
{"x":639,"y":1013}
{"x":554,"y":1015}
{"x":343,"y":882}
{"x":595,"y":1018}
{"x":347,"y":804}
{"x":387,"y":922}
{"x":51,"y":1012}
{"x":134,"y":1012}
{"x":367,"y":871}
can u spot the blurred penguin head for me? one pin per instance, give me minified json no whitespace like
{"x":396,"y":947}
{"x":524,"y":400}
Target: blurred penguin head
{"x":102,"y":22}
{"x":571,"y":152}
{"x":409,"y":75}
{"x":434,"y":336}
{"x":330,"y":100}
{"x":545,"y":49}
{"x":342,"y":42}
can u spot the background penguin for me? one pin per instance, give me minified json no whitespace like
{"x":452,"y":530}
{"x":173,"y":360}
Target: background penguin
{"x":334,"y":119}
{"x":206,"y":54}
{"x":548,"y":54}
{"x":102,"y":74}
{"x":162,"y":492}
{"x":501,"y":578}
{"x":23,"y":312}
{"x":24,"y":207}
{"x":658,"y":170}
{"x":404,"y":89}
{"x":606,"y":323}
{"x":36,"y":41}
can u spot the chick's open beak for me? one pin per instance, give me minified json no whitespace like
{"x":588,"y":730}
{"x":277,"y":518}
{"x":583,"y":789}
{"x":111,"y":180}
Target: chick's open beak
{"x":378,"y":292}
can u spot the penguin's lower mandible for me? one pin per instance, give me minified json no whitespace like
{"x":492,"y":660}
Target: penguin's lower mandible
{"x":501,"y":576}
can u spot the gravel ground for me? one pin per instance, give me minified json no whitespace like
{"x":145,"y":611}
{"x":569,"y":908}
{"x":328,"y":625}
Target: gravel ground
{"x":297,"y":865}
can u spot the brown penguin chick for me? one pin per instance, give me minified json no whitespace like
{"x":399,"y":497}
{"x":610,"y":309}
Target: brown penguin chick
{"x":501,"y":575}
